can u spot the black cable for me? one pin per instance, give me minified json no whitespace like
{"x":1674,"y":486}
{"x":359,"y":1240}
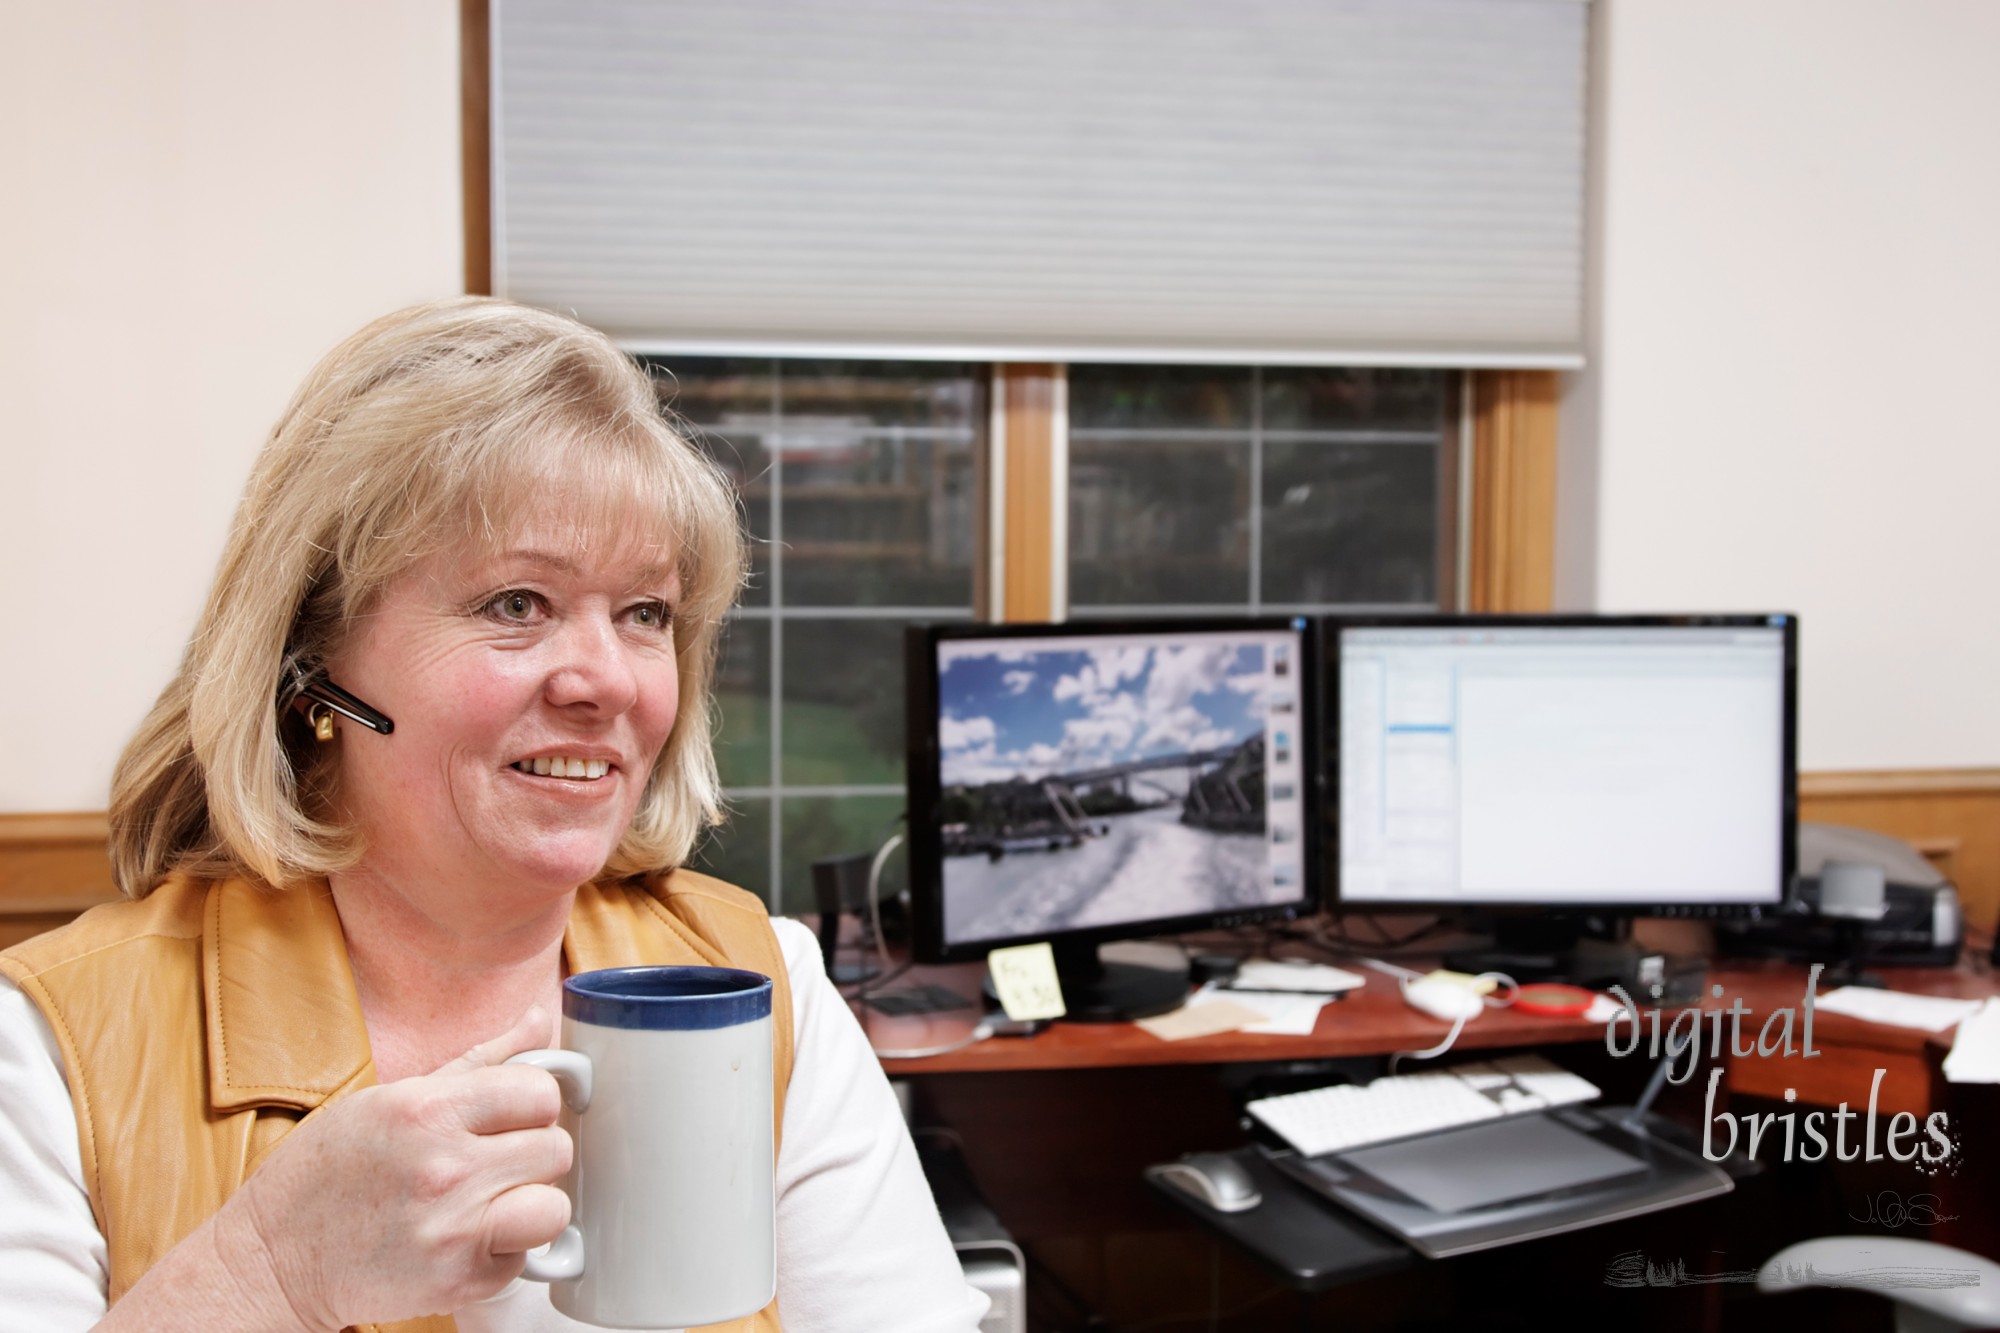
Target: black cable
{"x":1385,"y":940}
{"x":866,"y":985}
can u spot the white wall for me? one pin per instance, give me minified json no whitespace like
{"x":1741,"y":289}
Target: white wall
{"x":201,"y":197}
{"x":1790,"y":402}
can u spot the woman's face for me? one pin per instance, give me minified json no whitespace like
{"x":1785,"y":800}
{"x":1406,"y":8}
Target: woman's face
{"x":531,"y":693}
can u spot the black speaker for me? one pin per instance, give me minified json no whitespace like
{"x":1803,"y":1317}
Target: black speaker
{"x":840,"y":886}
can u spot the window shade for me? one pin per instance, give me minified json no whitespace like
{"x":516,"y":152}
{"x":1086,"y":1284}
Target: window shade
{"x":1276,"y":181}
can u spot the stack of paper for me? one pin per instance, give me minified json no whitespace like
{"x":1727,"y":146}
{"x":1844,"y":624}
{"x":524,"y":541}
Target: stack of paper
{"x":1932,"y":1013}
{"x":1264,"y":974}
{"x":1212,"y":1009}
{"x":1975,"y":1052}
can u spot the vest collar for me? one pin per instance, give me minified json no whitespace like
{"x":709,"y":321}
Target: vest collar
{"x":284,"y":1020}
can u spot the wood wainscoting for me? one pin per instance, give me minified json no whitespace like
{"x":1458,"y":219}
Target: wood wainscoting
{"x":51,"y":868}
{"x":1950,"y":815}
{"x":54,"y":866}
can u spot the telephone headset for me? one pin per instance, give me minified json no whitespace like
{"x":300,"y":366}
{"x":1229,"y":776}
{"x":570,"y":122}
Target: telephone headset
{"x":314,"y":686}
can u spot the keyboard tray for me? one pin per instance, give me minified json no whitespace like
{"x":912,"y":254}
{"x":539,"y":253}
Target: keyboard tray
{"x":1661,"y":1176}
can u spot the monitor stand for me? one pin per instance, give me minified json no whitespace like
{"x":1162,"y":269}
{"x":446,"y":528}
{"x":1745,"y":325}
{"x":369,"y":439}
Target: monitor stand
{"x":1551,"y":947}
{"x":1096,"y":991}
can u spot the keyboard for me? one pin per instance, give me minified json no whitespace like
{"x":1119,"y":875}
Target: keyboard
{"x":1352,"y":1115}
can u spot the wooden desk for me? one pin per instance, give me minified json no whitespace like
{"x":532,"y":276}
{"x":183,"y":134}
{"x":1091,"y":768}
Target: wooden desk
{"x":1851,"y":1050}
{"x":1375,"y":1021}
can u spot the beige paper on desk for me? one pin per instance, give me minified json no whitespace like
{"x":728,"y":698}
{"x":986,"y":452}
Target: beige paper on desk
{"x":1291,"y":1015}
{"x":1201,"y":1020}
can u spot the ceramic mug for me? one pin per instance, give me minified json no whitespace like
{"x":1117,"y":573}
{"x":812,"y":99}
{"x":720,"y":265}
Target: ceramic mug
{"x":666,"y":1082}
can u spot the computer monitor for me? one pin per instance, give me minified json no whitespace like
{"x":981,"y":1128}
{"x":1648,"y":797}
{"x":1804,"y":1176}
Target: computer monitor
{"x":1546,"y":769}
{"x":1095,"y":781}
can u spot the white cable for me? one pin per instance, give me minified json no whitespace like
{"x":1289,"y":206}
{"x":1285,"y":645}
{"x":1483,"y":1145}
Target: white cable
{"x":1387,"y":969}
{"x":980,"y":1031}
{"x":874,"y":901}
{"x":1458,"y":1024}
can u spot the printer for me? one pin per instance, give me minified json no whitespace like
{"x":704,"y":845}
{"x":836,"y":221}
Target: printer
{"x":1922,"y":927}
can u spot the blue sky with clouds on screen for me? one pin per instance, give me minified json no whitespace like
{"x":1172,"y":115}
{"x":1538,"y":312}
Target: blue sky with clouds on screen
{"x":1010,"y":712}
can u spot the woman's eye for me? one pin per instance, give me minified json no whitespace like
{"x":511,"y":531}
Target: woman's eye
{"x":653,"y":615}
{"x":513,"y":604}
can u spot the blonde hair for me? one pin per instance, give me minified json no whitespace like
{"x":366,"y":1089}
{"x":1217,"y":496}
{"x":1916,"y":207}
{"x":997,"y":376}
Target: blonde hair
{"x":436,"y":429}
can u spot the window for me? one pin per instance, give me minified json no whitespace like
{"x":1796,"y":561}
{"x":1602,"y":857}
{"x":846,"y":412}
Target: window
{"x":858,"y":486}
{"x":1244,"y":488}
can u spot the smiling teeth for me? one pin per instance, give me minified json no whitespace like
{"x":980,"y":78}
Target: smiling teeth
{"x":588,"y":770}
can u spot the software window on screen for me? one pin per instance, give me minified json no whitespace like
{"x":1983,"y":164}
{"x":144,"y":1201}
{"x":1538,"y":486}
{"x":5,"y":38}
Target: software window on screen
{"x":1560,"y":764}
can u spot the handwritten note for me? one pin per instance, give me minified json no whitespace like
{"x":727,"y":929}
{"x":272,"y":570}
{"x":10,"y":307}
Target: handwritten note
{"x":1024,"y":977}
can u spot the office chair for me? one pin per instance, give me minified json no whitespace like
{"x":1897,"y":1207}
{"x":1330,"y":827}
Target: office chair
{"x":1936,"y":1288}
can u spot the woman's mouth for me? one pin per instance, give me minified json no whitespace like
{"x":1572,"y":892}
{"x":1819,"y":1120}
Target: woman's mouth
{"x":556,"y":766}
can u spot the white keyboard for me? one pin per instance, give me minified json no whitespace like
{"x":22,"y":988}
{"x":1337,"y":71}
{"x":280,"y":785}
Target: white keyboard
{"x":1333,"y":1119}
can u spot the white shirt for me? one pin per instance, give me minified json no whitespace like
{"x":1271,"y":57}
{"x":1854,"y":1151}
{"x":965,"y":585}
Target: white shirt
{"x":860,"y":1246}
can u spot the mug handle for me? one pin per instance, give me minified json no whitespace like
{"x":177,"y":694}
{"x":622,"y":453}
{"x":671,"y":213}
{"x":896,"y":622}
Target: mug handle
{"x":559,"y":1261}
{"x":571,"y":1070}
{"x":563,"y":1258}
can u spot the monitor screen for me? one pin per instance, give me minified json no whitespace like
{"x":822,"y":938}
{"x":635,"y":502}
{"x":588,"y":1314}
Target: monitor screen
{"x":1635,"y":764}
{"x":1099,"y":780}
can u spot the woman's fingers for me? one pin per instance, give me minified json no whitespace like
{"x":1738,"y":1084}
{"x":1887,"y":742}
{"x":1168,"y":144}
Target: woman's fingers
{"x":501,"y":1162}
{"x":530,"y":1032}
{"x":503,"y":1097}
{"x":524,"y":1217}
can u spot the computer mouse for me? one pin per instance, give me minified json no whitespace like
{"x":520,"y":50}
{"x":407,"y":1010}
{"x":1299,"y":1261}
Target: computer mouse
{"x":1216,"y":1178}
{"x":1443,"y":999}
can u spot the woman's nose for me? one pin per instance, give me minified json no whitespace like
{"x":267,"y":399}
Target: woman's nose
{"x":593,"y":667}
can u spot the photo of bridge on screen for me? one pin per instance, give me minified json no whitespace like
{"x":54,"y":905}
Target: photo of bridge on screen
{"x":1119,"y":782}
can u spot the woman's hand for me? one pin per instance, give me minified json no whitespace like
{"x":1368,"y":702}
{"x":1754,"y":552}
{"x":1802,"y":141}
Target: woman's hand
{"x":410,"y":1198}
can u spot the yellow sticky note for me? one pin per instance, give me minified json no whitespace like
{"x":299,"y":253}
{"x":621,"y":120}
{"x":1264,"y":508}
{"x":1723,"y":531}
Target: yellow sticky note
{"x":1024,"y":977}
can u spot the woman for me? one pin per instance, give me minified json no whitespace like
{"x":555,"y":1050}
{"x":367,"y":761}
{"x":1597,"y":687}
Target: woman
{"x":269,"y":1091}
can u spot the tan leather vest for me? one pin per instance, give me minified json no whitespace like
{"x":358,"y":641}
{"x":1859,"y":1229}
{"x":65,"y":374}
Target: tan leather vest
{"x":201,"y":1023}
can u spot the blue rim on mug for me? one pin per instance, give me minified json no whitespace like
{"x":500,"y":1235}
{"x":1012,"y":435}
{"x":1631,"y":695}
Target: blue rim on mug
{"x":667,"y":999}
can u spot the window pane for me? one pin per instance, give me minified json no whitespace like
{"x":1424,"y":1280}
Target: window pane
{"x":1348,"y":397}
{"x":843,"y":703}
{"x":876,"y":519}
{"x":743,"y":694}
{"x":937,"y":395}
{"x":876,"y":485}
{"x":717,"y":391}
{"x":728,"y":408}
{"x":1158,"y":522}
{"x":1174,"y":397}
{"x":739,"y":851}
{"x":1350,"y":523}
{"x":820,"y":826}
{"x":1296,"y":487}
